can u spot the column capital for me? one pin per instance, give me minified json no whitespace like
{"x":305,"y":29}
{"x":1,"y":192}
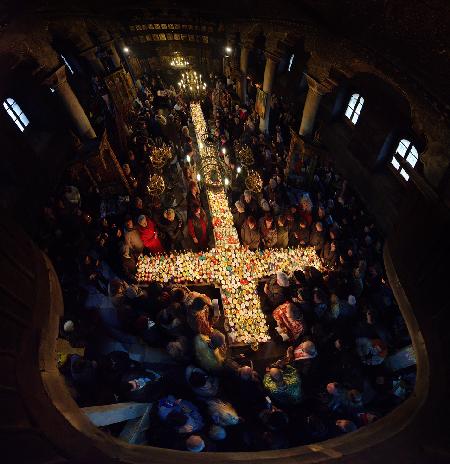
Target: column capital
{"x":321,"y":88}
{"x":89,"y":52}
{"x":274,"y":55}
{"x":57,"y":78}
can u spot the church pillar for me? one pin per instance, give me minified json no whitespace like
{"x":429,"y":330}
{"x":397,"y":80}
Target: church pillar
{"x":58,"y":82}
{"x":91,"y":55}
{"x":245,"y":50}
{"x":113,"y":53}
{"x":269,"y":75}
{"x":316,"y":90}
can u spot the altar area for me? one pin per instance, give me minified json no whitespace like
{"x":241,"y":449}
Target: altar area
{"x":230,"y":267}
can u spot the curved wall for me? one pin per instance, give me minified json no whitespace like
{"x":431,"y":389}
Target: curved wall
{"x":40,"y":422}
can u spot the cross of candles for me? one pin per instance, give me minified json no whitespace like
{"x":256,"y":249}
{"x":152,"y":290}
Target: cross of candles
{"x":192,"y":85}
{"x":230,"y":266}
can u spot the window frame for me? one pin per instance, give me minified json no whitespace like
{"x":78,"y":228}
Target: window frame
{"x":403,"y":165}
{"x":15,"y":112}
{"x":355,"y":110}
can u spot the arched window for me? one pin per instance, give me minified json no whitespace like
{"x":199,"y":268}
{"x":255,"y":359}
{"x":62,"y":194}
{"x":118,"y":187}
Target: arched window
{"x":354,"y":107}
{"x":16,"y":114}
{"x":405,"y":158}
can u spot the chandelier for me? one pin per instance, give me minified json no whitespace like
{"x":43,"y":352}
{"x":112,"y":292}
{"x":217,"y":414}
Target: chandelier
{"x":155,"y":186}
{"x":160,"y":155}
{"x":254,"y":181}
{"x":178,"y":61}
{"x":192,"y":86}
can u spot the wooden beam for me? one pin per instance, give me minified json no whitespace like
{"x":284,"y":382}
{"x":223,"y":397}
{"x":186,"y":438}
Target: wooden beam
{"x":113,"y":413}
{"x":134,"y":430}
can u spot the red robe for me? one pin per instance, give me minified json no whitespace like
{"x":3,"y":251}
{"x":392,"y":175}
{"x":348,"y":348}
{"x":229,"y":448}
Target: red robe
{"x":149,"y":239}
{"x":197,"y":228}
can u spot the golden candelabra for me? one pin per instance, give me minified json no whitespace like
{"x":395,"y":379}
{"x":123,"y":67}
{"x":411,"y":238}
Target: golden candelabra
{"x":245,"y":155}
{"x":178,"y":61}
{"x":254,"y":181}
{"x":160,"y":155}
{"x":156,"y":185}
{"x":192,"y":86}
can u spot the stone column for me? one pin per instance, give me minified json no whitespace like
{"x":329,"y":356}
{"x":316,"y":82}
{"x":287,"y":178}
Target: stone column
{"x":114,"y":55}
{"x":245,"y":50}
{"x":315,"y":92}
{"x":91,"y":55}
{"x":58,"y":81}
{"x":269,"y":75}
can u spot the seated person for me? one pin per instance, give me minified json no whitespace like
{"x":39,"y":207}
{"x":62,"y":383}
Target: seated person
{"x":210,"y":351}
{"x":290,"y":321}
{"x":250,"y":203}
{"x":198,"y":317}
{"x":250,"y":236}
{"x":181,"y":415}
{"x":268,"y":231}
{"x":283,"y":386}
{"x":201,"y":383}
{"x":277,"y":289}
{"x":149,"y":235}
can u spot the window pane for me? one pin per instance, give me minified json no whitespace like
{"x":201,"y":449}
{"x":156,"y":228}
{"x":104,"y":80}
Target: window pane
{"x":411,"y":159}
{"x":395,"y":163}
{"x":24,"y":120}
{"x":353,"y":100}
{"x":404,"y":174}
{"x":405,"y":142}
{"x":355,"y":118}
{"x":358,"y":108}
{"x":401,"y":149}
{"x":349,"y":112}
{"x":10,"y":101}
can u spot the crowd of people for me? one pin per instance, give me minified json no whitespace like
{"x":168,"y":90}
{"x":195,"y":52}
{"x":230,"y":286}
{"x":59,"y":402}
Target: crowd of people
{"x":337,"y":327}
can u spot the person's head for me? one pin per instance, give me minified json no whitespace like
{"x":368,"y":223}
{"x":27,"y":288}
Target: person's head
{"x":116,"y":287}
{"x":197,"y":210}
{"x":247,"y":196}
{"x":195,"y":444}
{"x":240,"y":207}
{"x":282,"y":279}
{"x":142,"y":221}
{"x":217,"y":433}
{"x":306,"y":350}
{"x":177,"y":295}
{"x":345,"y":425}
{"x":319,"y":227}
{"x":178,"y":349}
{"x":268,"y":219}
{"x":265,"y":206}
{"x":293,"y":312}
{"x":245,"y":372}
{"x":333,"y":246}
{"x":302,"y":224}
{"x":281,"y":220}
{"x":198,"y":304}
{"x":222,"y":413}
{"x":126,"y":169}
{"x":299,"y":277}
{"x":334,"y":389}
{"x":169,"y":214}
{"x":251,"y":222}
{"x":197,"y":379}
{"x":138,"y":203}
{"x":217,"y":340}
{"x":176,"y":419}
{"x":276,"y":374}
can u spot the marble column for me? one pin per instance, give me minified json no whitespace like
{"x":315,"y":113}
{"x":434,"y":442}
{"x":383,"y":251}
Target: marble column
{"x":269,"y":75}
{"x":245,"y":50}
{"x":58,"y":82}
{"x":316,"y":91}
{"x":91,"y":55}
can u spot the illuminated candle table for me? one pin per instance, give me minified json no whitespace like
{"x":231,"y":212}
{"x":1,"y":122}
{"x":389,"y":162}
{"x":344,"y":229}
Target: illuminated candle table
{"x":229,"y":266}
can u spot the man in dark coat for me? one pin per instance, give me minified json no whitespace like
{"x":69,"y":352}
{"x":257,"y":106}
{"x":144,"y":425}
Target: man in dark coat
{"x":172,"y":226}
{"x":317,"y":238}
{"x":276,"y":290}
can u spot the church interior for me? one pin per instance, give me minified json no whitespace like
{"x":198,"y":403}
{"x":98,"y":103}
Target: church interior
{"x":223,"y":231}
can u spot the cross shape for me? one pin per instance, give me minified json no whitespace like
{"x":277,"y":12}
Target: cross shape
{"x":229,"y":266}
